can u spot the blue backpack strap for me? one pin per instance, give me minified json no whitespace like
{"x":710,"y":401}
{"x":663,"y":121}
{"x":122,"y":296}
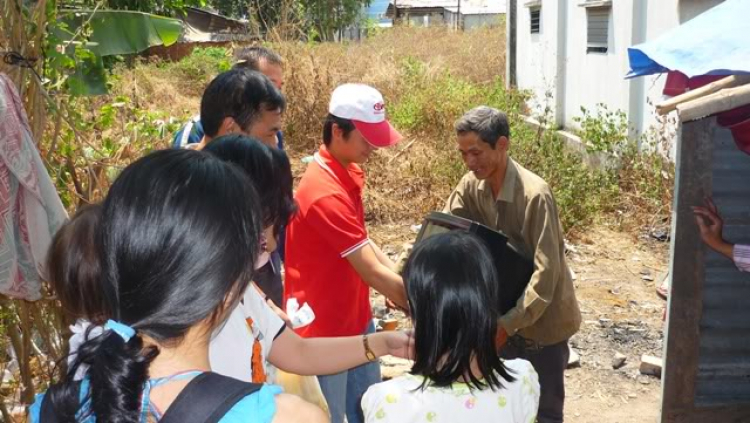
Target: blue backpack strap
{"x":191,"y":133}
{"x":47,"y":412}
{"x":207,"y":398}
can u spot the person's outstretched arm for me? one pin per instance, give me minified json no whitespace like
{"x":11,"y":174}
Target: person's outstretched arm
{"x":337,"y":221}
{"x":323,"y":356}
{"x":711,"y":226}
{"x":381,"y":277}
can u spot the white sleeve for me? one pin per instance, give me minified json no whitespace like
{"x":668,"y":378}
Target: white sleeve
{"x":231,"y":348}
{"x":268,"y":322}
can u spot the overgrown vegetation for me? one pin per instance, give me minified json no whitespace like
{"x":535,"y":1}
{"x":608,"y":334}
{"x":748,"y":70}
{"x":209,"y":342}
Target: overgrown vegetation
{"x":313,"y":19}
{"x":428,"y":82}
{"x":603,"y":130}
{"x":201,"y":64}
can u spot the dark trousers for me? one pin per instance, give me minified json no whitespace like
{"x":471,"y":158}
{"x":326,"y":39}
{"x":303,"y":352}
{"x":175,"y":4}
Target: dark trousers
{"x":550,"y":363}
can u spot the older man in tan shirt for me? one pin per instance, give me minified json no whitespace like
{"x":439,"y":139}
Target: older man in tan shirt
{"x":501,"y":194}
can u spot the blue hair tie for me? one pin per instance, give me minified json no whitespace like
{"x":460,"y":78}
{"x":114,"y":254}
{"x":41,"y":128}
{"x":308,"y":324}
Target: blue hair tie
{"x":125,"y":331}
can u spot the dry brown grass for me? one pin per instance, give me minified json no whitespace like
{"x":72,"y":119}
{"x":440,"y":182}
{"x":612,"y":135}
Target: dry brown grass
{"x":429,"y":77}
{"x":152,"y":87}
{"x":402,"y":183}
{"x":313,"y":71}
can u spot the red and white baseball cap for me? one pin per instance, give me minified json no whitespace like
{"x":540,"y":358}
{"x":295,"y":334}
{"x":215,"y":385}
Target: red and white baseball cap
{"x":364,"y":106}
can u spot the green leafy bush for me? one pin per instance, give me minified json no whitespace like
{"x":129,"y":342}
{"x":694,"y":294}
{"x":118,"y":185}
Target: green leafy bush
{"x":603,"y":130}
{"x":204,"y":63}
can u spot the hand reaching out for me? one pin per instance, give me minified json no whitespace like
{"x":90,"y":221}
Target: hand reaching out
{"x":399,"y":343}
{"x":711,"y":226}
{"x":390,"y":305}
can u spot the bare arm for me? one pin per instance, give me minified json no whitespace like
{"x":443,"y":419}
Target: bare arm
{"x":379,"y":276}
{"x":711,"y":226}
{"x":382,"y":257}
{"x":321,"y":356}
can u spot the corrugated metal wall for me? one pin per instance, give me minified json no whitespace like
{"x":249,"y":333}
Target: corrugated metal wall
{"x":724,"y":358}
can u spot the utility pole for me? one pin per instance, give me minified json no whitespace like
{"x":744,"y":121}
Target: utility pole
{"x":458,"y":16}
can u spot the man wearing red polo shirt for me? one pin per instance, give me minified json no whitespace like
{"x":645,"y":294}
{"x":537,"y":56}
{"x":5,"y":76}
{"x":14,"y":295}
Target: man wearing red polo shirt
{"x":330,"y":261}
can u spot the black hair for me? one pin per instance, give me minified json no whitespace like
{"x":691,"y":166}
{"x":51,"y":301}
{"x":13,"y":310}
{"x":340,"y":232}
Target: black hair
{"x":268,"y":168}
{"x":250,"y":57}
{"x":488,"y":123}
{"x":346,"y":125}
{"x":73,"y":268}
{"x":177,"y":241}
{"x":452,"y":289}
{"x":241,"y":94}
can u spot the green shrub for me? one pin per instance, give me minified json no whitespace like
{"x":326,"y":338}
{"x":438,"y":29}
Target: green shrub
{"x":203,"y":63}
{"x":110,"y":132}
{"x":582,"y":193}
{"x":430,"y":104}
{"x":603,"y":130}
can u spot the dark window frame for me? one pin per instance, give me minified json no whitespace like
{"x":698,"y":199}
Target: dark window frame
{"x":536,"y":21}
{"x":598,"y":20}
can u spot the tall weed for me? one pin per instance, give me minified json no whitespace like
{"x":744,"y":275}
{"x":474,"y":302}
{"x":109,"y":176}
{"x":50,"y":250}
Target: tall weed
{"x":429,"y":78}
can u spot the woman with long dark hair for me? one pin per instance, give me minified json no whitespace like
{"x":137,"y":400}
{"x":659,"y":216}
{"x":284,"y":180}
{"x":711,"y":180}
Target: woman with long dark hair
{"x":271,"y":173}
{"x":177,"y":236}
{"x":457,"y":376}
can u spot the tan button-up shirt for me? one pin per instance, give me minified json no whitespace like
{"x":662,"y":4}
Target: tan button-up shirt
{"x":526,"y":212}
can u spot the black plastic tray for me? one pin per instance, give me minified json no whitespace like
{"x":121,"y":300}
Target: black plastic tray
{"x":514,"y":269}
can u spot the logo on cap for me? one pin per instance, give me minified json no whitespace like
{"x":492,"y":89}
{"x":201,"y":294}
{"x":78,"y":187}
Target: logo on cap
{"x":378,"y":107}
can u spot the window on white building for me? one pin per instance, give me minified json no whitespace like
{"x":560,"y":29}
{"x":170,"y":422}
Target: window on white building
{"x":597,"y":26}
{"x":535,"y":13}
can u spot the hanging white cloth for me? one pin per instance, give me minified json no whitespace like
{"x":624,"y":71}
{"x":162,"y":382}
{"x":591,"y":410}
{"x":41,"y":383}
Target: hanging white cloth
{"x":30,"y":209}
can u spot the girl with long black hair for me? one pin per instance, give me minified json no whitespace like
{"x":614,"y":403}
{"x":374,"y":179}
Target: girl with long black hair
{"x":457,"y":376}
{"x":177,"y":235}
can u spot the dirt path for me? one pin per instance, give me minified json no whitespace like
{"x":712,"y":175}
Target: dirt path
{"x":615,"y":277}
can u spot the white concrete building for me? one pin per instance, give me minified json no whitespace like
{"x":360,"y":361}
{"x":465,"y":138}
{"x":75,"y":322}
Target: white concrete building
{"x":459,"y":14}
{"x":475,"y":15}
{"x":573,"y":53}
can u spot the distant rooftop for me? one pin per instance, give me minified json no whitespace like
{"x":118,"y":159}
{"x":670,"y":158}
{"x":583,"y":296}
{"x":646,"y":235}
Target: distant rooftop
{"x":468,"y":7}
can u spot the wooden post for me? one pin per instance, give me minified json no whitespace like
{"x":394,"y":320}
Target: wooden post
{"x":725,"y":99}
{"x":458,"y":16}
{"x":728,"y":82}
{"x":512,"y":40}
{"x":692,"y":185}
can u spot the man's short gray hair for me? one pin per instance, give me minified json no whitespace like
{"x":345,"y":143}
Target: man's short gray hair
{"x":250,"y":57}
{"x":488,"y":123}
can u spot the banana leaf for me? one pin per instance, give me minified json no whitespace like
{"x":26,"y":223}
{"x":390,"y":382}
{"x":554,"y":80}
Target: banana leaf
{"x":109,"y":33}
{"x":116,"y":32}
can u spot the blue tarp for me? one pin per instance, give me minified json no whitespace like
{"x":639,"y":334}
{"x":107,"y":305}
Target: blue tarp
{"x":376,"y":10}
{"x":378,"y":7}
{"x":717,"y":42}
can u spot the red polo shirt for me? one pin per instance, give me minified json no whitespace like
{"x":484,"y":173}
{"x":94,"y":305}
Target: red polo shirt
{"x":329,"y":225}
